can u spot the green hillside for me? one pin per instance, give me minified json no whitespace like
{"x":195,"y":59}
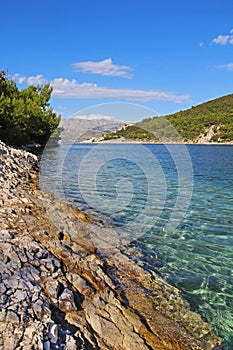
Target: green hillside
{"x":211,"y":121}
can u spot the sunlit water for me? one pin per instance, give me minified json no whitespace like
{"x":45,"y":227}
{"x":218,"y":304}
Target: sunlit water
{"x":196,"y":255}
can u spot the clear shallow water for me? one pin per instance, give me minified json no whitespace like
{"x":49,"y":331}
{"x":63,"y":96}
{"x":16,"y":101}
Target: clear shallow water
{"x":138,"y":188}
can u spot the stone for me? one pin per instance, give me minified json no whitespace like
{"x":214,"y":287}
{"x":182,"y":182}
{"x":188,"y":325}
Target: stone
{"x":53,"y":333}
{"x":66,"y":301}
{"x":12,"y":317}
{"x":37,"y":308}
{"x":19,"y":296}
{"x":70,"y":343}
{"x":24,"y":200}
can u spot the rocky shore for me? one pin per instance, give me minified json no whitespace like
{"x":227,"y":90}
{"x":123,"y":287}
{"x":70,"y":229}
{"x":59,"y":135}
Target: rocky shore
{"x":61,"y":289}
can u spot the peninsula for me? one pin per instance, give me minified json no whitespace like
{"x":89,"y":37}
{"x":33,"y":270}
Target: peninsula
{"x":209,"y":122}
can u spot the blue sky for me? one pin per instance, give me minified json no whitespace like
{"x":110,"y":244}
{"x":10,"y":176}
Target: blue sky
{"x":164,"y":55}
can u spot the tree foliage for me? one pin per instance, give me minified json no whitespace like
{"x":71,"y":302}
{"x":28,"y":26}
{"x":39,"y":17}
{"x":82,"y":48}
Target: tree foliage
{"x":185,"y":125}
{"x":25,"y":115}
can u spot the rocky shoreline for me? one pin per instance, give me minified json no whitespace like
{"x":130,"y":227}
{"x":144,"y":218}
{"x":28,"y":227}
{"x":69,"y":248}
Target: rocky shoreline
{"x":64,"y":286}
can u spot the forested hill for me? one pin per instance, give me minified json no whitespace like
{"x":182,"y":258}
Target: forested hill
{"x":211,"y":121}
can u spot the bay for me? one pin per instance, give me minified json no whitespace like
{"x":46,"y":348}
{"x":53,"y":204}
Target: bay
{"x":177,"y":203}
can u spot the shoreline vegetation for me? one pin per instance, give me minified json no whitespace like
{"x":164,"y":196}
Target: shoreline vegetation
{"x":66,"y":284}
{"x":26,"y":116}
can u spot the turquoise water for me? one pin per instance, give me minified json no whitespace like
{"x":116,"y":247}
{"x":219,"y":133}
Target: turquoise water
{"x":138,"y":187}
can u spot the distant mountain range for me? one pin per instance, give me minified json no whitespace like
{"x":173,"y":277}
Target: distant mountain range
{"x":83,"y":130}
{"x":208,"y":122}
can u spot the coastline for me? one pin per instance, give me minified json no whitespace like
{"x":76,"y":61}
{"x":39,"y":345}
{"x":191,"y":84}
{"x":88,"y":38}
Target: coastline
{"x":131,"y":141}
{"x":63,"y":284}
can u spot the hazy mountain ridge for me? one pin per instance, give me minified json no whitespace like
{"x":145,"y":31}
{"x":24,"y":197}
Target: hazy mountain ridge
{"x":80,"y":130}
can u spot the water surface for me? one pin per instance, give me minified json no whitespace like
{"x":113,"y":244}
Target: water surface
{"x":137,"y":188}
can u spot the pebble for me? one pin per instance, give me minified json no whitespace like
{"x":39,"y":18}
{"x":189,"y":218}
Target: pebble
{"x":24,"y":200}
{"x":53,"y":334}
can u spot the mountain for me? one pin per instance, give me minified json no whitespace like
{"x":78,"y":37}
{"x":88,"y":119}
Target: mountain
{"x":211,"y":121}
{"x":81,"y":130}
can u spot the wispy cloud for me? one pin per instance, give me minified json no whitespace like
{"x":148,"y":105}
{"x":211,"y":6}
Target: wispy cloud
{"x":105,"y":67}
{"x":223,"y":39}
{"x":202,"y":45}
{"x":65,"y":88}
{"x":227,"y":66}
{"x":94,"y":116}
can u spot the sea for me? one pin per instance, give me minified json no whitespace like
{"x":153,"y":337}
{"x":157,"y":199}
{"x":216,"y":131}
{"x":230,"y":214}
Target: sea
{"x":175,"y":203}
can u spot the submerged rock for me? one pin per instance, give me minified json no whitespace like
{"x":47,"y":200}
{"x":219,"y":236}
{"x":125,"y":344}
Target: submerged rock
{"x":61,"y":289}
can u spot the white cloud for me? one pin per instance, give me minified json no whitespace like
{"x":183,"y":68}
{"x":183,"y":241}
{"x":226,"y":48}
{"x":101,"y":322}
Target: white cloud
{"x":20,"y":79}
{"x":223,"y":39}
{"x":65,"y":88}
{"x":36,"y":80}
{"x":105,"y":67}
{"x":228,"y":66}
{"x":32,"y":80}
{"x":94,"y":116}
